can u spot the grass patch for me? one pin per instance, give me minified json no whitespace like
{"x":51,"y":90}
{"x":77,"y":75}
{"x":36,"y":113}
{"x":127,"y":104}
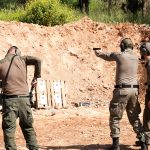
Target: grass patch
{"x":55,"y":12}
{"x":99,"y":12}
{"x":11,"y":15}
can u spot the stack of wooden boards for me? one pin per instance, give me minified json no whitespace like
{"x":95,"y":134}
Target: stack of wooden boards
{"x":50,"y":94}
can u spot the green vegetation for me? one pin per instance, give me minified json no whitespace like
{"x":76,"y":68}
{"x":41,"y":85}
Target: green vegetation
{"x":10,"y":15}
{"x":70,"y":2}
{"x":48,"y":12}
{"x":55,"y":12}
{"x":99,"y":12}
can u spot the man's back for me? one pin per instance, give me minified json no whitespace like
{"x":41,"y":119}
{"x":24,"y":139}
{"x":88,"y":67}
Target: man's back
{"x":16,"y":102}
{"x":16,"y":80}
{"x":127,"y":66}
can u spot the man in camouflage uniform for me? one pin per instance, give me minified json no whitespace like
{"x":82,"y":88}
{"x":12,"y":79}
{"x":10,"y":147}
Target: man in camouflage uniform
{"x":13,"y":72}
{"x":125,"y":95}
{"x":145,"y":54}
{"x":83,"y":3}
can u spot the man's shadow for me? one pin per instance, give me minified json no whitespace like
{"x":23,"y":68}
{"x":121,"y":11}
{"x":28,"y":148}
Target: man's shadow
{"x":85,"y":147}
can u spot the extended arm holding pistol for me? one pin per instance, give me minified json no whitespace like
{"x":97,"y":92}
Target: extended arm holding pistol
{"x":104,"y":55}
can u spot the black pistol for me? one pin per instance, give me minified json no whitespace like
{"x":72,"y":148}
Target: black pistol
{"x":31,"y":97}
{"x":96,"y":48}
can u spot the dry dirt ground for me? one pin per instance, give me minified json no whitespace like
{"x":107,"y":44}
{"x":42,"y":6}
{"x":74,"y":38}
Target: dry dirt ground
{"x":76,"y":128}
{"x":66,"y":54}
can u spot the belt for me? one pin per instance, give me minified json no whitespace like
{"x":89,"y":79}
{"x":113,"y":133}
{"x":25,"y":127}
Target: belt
{"x":14,"y":96}
{"x":126,"y":86}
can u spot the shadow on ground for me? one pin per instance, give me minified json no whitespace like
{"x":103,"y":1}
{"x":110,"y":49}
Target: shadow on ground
{"x":85,"y":147}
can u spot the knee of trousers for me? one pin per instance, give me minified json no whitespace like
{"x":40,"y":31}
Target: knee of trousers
{"x":116,"y":110}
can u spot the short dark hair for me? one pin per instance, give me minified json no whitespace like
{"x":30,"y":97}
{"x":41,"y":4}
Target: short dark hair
{"x":17,"y":51}
{"x":126,"y":43}
{"x":13,"y":47}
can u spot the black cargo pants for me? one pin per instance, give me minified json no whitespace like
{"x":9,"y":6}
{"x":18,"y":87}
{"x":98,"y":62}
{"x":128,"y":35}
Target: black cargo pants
{"x":12,"y":109}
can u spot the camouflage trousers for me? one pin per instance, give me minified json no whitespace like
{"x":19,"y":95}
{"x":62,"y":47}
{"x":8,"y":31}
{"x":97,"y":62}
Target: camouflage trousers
{"x":146,"y":116}
{"x":125,"y":99}
{"x":14,"y":108}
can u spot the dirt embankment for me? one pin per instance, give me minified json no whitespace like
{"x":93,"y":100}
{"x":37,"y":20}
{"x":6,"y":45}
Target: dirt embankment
{"x":66,"y":52}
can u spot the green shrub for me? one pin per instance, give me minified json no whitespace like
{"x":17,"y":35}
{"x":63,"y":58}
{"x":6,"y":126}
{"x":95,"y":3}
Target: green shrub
{"x":48,"y":12}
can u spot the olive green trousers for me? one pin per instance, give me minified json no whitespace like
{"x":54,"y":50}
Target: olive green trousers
{"x":14,"y":108}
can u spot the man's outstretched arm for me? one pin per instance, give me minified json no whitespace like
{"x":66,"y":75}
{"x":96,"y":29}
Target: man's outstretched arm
{"x":105,"y":55}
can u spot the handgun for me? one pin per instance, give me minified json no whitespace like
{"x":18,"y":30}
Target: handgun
{"x":96,"y":48}
{"x":31,"y":96}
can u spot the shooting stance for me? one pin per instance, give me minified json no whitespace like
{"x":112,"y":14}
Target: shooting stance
{"x":125,"y":94}
{"x":16,"y":104}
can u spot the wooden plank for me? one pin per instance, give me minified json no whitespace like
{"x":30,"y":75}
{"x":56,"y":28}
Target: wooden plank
{"x":48,"y":89}
{"x":64,"y":102}
{"x":36,"y":96}
{"x":58,"y":101}
{"x":41,"y":93}
{"x":57,"y":94}
{"x":52,"y":94}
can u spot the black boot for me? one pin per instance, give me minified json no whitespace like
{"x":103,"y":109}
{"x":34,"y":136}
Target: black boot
{"x":115,"y":145}
{"x":144,"y":146}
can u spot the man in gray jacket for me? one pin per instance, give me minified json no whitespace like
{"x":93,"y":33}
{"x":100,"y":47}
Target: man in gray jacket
{"x":125,"y":94}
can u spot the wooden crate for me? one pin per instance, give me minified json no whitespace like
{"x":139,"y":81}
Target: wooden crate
{"x":57,"y":94}
{"x":41,"y":94}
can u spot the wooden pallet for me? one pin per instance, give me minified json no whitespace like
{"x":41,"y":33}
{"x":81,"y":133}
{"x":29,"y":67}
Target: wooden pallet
{"x":41,"y":94}
{"x":57,"y":94}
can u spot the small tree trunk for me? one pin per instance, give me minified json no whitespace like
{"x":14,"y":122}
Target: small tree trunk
{"x":109,"y":6}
